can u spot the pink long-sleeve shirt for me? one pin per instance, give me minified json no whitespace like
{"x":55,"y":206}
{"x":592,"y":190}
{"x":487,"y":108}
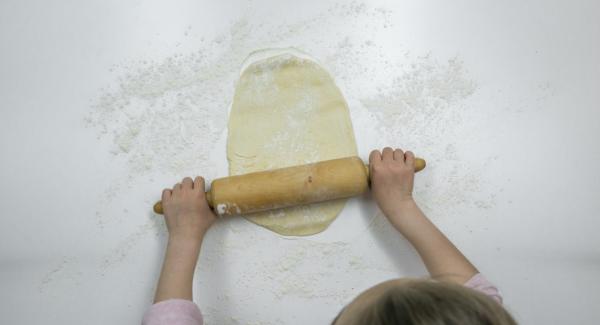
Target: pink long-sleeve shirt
{"x":185,"y":312}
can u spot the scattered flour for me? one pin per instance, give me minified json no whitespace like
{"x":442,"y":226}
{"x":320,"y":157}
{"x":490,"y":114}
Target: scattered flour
{"x":165,"y":115}
{"x":423,"y":108}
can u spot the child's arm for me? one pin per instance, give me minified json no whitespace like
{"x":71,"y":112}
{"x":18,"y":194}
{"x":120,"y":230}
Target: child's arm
{"x":392,"y":178}
{"x":188,"y":217}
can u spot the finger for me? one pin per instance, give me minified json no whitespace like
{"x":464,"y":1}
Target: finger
{"x":199,"y":184}
{"x":177,"y":188}
{"x":410,"y":159}
{"x":399,"y":155}
{"x":387,"y":154}
{"x":374,"y":157}
{"x":166,"y":194}
{"x":187,"y":183}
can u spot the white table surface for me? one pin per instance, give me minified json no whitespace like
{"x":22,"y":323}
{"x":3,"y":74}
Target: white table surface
{"x":78,"y":241}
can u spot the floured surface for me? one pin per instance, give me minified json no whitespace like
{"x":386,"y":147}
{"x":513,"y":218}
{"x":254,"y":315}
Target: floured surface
{"x":288,"y":111}
{"x":156,"y":80}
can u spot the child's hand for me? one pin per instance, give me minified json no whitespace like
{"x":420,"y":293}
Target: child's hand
{"x":186,"y":211}
{"x":392,"y":174}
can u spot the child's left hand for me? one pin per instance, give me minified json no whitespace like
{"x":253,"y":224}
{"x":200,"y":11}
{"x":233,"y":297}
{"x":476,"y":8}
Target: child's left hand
{"x":186,"y":211}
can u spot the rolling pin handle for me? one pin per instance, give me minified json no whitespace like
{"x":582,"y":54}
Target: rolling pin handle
{"x":419,"y":164}
{"x":158,"y":207}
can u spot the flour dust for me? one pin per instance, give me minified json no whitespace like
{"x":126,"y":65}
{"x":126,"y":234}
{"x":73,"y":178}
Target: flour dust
{"x":164,"y":116}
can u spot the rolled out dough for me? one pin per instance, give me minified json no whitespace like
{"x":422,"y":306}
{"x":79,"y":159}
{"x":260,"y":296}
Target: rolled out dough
{"x":288,"y":111}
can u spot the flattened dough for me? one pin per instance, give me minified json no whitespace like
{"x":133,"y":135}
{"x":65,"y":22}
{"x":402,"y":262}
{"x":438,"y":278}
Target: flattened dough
{"x":288,"y":111}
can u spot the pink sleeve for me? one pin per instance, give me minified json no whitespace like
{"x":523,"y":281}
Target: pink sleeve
{"x":173,"y":312}
{"x":480,"y":283}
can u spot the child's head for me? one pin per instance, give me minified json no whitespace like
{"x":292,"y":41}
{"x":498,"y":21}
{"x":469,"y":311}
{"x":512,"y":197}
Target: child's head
{"x":410,"y":301}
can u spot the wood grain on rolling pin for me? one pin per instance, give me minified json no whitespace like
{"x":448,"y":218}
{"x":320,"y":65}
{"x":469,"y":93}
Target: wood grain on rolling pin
{"x":285,"y":187}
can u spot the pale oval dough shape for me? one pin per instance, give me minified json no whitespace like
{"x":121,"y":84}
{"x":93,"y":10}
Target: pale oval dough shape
{"x":288,"y":111}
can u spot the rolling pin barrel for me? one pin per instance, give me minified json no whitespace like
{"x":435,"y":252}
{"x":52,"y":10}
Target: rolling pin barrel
{"x":285,"y":187}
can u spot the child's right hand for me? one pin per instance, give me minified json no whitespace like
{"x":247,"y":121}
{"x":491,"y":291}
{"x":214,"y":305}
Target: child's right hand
{"x":392,"y":177}
{"x":392,"y":174}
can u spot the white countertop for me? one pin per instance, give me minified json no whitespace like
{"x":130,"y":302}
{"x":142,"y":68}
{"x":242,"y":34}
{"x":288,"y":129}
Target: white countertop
{"x":502,"y":100}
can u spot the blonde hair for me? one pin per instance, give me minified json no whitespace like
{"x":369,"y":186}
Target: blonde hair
{"x":428,"y":302}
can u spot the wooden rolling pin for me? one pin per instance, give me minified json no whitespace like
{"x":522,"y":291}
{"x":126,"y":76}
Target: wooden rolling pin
{"x":290,"y":186}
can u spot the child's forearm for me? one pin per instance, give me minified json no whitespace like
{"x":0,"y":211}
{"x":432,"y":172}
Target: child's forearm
{"x":442,"y":259}
{"x":178,"y":270}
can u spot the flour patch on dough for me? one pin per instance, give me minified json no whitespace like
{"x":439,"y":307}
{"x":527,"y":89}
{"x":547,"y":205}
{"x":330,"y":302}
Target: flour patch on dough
{"x":288,"y":111}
